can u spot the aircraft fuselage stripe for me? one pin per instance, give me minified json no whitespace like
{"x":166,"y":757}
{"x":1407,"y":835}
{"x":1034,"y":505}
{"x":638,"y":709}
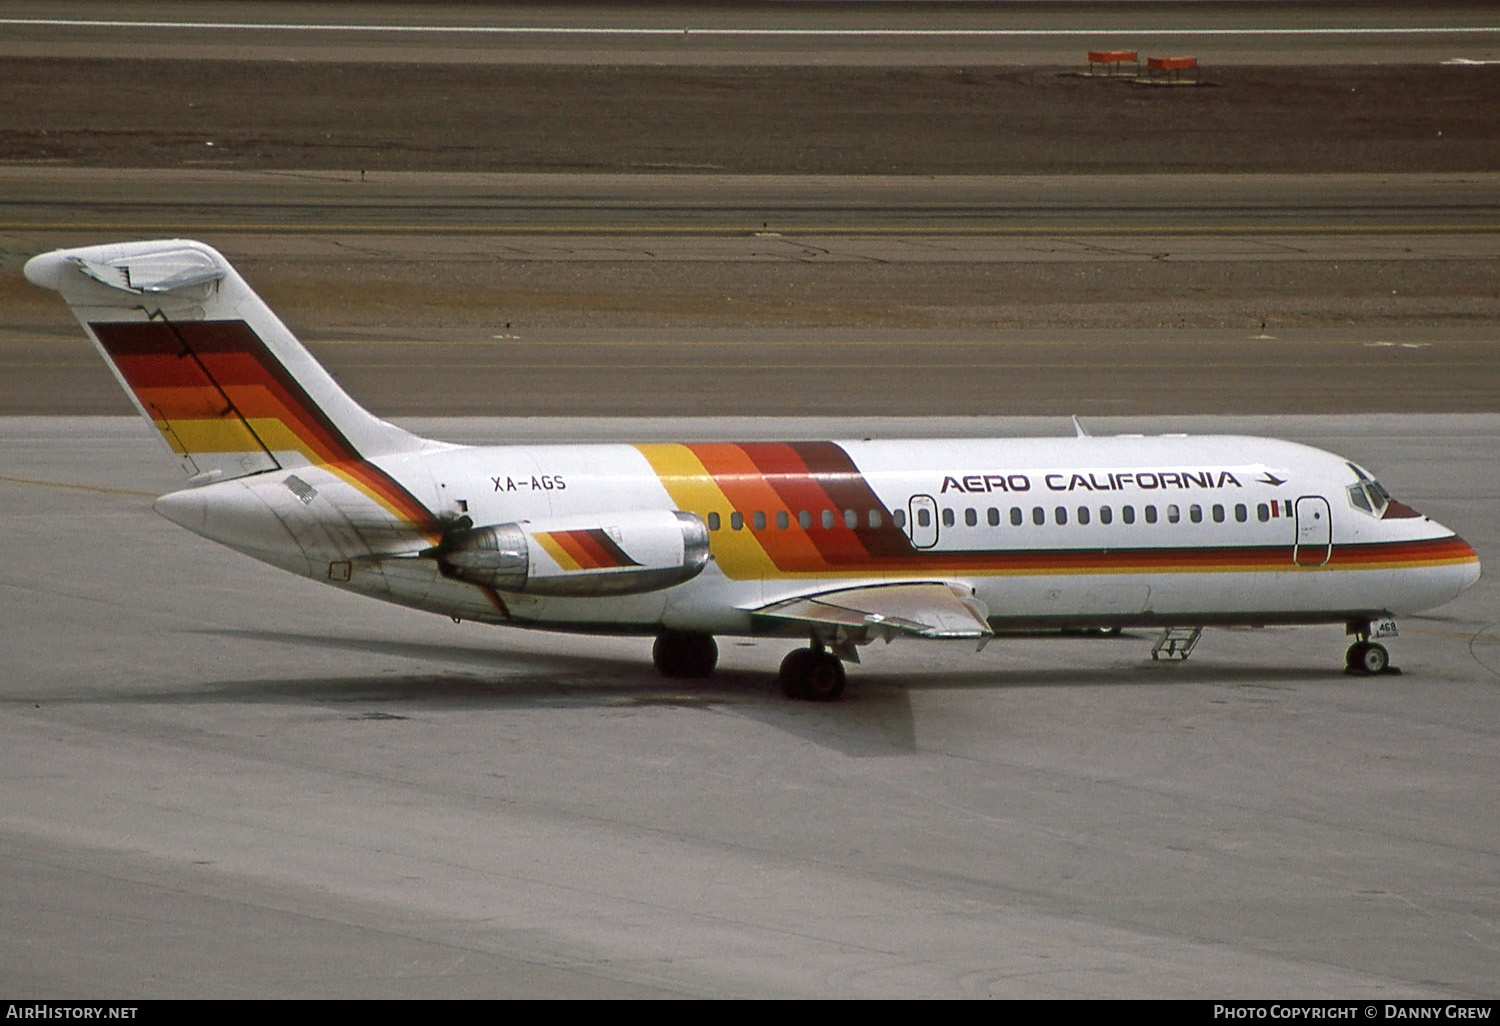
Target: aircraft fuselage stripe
{"x":820,"y":477}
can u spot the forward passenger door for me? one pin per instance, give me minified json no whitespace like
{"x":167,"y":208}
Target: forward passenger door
{"x":1314,"y":531}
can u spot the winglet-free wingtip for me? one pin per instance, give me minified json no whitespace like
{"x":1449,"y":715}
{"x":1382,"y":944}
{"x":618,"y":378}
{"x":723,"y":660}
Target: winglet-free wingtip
{"x":1078,"y":428}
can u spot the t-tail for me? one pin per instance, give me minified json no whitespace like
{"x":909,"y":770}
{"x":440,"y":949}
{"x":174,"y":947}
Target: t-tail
{"x":229,"y":387}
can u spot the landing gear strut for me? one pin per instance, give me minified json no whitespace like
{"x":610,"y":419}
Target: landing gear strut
{"x":812,"y":674}
{"x":684,"y":654}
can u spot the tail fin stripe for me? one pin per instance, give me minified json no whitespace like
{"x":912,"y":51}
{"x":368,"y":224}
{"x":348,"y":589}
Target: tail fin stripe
{"x":231,"y":364}
{"x":234,"y":363}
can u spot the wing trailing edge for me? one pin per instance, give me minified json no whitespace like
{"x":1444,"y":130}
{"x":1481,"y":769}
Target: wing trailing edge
{"x":928,"y":609}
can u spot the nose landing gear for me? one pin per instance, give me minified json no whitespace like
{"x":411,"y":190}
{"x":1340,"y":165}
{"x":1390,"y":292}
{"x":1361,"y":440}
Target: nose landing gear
{"x":1366,"y":657}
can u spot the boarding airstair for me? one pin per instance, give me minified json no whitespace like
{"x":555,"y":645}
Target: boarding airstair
{"x":1176,"y":643}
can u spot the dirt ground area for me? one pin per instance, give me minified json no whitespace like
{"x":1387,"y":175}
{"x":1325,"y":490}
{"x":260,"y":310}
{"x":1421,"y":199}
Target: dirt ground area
{"x":844,"y":120}
{"x":682,"y":337}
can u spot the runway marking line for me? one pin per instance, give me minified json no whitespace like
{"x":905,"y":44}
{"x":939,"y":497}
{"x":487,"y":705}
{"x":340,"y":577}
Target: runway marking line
{"x":784,"y":33}
{"x":788,"y":233}
{"x":99,"y":489}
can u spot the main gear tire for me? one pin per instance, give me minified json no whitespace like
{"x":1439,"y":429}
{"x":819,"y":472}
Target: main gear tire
{"x":685,"y":655}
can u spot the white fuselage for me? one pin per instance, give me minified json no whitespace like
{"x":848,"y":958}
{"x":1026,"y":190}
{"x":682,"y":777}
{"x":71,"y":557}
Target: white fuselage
{"x":1051,"y":531}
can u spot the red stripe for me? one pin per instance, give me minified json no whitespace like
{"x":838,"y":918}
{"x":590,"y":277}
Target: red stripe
{"x":588,"y":549}
{"x":788,"y":473}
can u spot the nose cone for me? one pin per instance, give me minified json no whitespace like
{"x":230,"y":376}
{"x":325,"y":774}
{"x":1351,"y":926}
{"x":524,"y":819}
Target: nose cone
{"x":1469,"y":568}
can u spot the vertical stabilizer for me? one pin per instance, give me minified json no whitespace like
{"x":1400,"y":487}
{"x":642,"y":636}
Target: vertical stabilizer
{"x":231,"y":389}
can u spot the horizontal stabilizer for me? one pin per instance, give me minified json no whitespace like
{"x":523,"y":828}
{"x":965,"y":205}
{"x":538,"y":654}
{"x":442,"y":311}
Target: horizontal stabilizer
{"x":929,"y":609}
{"x":154,"y":272}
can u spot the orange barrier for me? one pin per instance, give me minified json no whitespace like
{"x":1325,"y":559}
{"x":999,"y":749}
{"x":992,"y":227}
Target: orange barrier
{"x":1112,"y":59}
{"x":1172,"y":67}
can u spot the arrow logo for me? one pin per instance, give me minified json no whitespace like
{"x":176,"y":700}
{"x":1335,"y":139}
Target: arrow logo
{"x":1271,"y":479}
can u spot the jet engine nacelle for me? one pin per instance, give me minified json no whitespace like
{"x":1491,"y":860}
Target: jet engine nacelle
{"x":616,"y":554}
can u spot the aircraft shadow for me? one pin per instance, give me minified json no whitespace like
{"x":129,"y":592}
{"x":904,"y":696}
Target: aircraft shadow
{"x":867,"y":722}
{"x":873,"y":719}
{"x":1152,"y":674}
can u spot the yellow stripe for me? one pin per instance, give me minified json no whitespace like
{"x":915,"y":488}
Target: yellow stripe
{"x":556,"y":551}
{"x":220,"y":434}
{"x":737,"y":553}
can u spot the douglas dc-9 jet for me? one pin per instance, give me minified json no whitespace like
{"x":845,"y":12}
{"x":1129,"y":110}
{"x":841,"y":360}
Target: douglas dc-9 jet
{"x":836,"y":543}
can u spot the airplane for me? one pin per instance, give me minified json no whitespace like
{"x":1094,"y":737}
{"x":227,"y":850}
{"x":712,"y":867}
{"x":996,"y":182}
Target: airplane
{"x":837,"y":543}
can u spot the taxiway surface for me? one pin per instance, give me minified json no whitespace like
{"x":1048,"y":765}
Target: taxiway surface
{"x":221,"y":780}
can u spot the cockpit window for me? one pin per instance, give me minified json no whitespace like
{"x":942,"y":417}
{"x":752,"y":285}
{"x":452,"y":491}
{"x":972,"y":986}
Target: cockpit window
{"x":1367,"y":495}
{"x":1358,"y":499}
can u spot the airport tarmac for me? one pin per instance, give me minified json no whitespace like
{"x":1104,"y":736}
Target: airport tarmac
{"x":222,"y":780}
{"x":781,"y":35}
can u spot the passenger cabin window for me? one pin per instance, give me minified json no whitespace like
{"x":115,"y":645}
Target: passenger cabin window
{"x":1106,"y":515}
{"x":736,"y":521}
{"x":1263,"y":513}
{"x":1016,"y":516}
{"x":1241,"y":514}
{"x":713,"y":521}
{"x":1061,"y":513}
{"x":899,"y":516}
{"x":1038,"y":516}
{"x":971,"y":517}
{"x":782,"y":520}
{"x":1127,"y":514}
{"x":1083,"y":514}
{"x":1195,"y":513}
{"x":804,"y":520}
{"x":851,"y":519}
{"x":924,"y":518}
{"x":947,"y":518}
{"x":994,"y":517}
{"x":827,"y":520}
{"x":1150,"y":514}
{"x":760,"y":520}
{"x":875,"y":520}
{"x":1174,"y":515}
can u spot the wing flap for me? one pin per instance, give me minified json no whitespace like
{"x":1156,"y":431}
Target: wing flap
{"x":929,"y":609}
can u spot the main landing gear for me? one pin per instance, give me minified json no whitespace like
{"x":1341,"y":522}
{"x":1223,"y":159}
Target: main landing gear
{"x":1366,"y":657}
{"x":684,"y":655}
{"x":813,"y":674}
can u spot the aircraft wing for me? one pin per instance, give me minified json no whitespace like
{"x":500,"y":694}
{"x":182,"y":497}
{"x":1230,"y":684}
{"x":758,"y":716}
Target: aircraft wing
{"x":930,"y":609}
